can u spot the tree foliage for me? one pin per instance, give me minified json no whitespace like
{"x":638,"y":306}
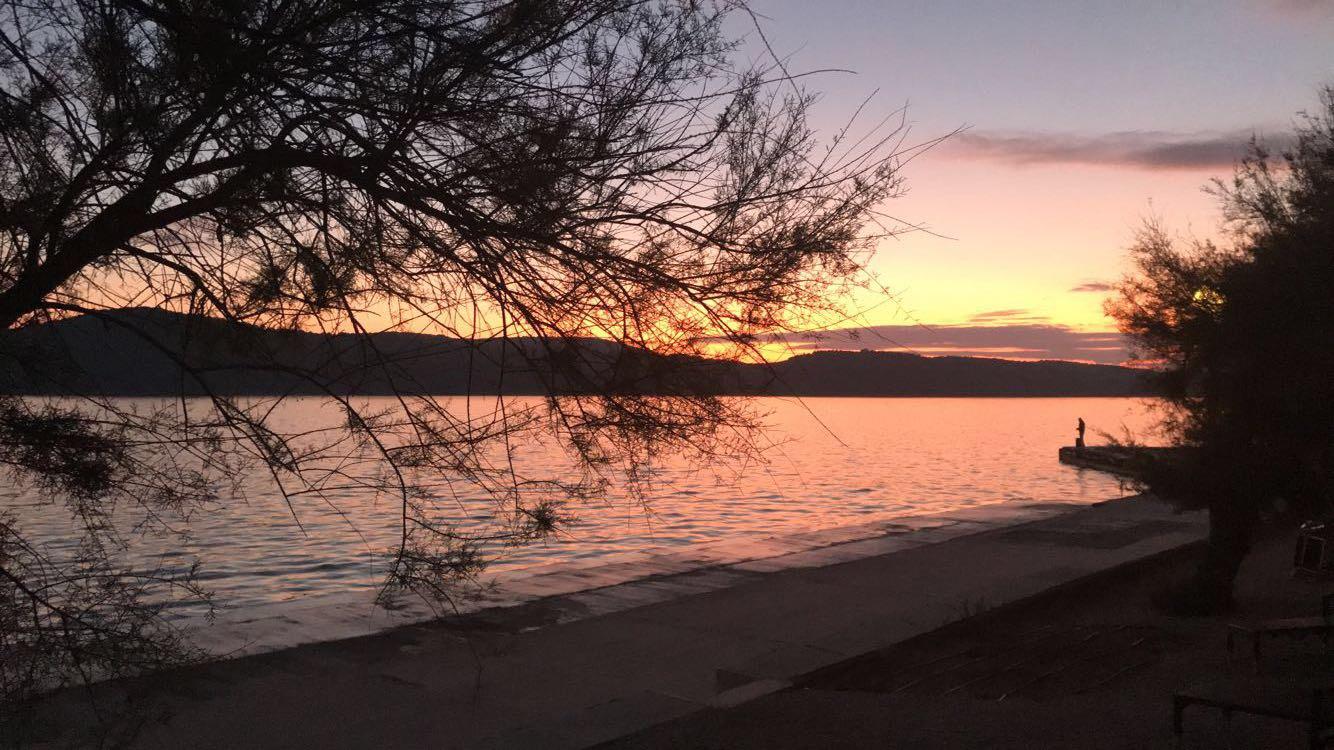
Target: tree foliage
{"x":548,"y":169}
{"x":1241,"y":330}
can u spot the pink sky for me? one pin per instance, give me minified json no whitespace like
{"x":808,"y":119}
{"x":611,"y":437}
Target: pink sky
{"x":1083,"y":119}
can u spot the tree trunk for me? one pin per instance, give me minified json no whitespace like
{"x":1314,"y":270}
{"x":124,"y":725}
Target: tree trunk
{"x":1232,"y":522}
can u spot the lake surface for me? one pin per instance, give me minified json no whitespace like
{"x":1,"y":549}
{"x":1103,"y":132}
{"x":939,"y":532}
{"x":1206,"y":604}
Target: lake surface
{"x":834,"y":462}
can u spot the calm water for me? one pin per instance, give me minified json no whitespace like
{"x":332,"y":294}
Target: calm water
{"x":835,"y":462}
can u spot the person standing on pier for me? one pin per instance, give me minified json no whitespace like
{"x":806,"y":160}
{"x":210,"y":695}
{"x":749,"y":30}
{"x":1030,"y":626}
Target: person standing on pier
{"x":1079,"y":441}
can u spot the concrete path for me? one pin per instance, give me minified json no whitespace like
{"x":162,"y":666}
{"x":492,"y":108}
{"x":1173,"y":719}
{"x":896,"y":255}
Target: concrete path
{"x":574,"y":670}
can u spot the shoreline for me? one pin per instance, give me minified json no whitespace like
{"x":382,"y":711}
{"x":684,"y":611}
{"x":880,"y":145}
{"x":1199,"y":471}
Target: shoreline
{"x":589,"y":667}
{"x":323,"y":618}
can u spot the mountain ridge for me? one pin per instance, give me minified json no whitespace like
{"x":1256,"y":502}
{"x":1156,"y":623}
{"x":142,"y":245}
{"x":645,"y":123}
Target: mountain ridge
{"x":140,"y":352}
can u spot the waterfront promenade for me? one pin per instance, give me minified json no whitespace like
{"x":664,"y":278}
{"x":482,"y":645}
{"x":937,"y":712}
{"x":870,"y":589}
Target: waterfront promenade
{"x":579,"y":668}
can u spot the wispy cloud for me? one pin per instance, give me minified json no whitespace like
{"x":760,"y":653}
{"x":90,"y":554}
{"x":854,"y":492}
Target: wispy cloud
{"x":1028,"y":341}
{"x":1016,"y":315}
{"x":1142,"y":149}
{"x":1092,"y":286}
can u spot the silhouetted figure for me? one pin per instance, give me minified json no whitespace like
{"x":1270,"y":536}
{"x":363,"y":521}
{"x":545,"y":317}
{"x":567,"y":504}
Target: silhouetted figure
{"x":1079,"y":441}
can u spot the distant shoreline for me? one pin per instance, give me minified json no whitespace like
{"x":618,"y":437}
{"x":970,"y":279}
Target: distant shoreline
{"x":147,"y":352}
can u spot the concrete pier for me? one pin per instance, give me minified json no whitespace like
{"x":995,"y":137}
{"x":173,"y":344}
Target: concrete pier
{"x":1123,"y":461}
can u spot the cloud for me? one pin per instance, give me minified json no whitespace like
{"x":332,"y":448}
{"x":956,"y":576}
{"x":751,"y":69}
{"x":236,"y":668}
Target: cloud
{"x":1092,"y":286}
{"x":1147,"y":149}
{"x":1016,"y":315}
{"x":1009,"y":341}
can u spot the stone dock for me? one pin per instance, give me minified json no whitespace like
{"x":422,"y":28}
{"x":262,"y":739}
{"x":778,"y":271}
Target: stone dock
{"x":1123,"y":461}
{"x":587,"y":666}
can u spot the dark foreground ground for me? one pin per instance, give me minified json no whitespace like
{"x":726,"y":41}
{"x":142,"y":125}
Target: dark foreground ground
{"x":1089,"y":666}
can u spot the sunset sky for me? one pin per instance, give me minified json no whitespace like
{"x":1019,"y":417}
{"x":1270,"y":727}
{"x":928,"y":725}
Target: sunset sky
{"x":1084,"y":118}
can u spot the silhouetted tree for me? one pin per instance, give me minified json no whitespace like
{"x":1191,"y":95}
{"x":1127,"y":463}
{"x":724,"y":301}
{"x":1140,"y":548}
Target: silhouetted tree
{"x":1242,"y":331}
{"x":548,"y":169}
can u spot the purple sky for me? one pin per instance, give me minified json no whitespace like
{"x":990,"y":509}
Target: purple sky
{"x":1084,"y":117}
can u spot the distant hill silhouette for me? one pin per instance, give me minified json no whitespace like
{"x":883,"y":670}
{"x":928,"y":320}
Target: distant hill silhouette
{"x":138,"y":352}
{"x":870,"y":373}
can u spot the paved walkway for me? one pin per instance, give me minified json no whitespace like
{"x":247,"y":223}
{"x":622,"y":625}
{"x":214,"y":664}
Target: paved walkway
{"x":574,"y":670}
